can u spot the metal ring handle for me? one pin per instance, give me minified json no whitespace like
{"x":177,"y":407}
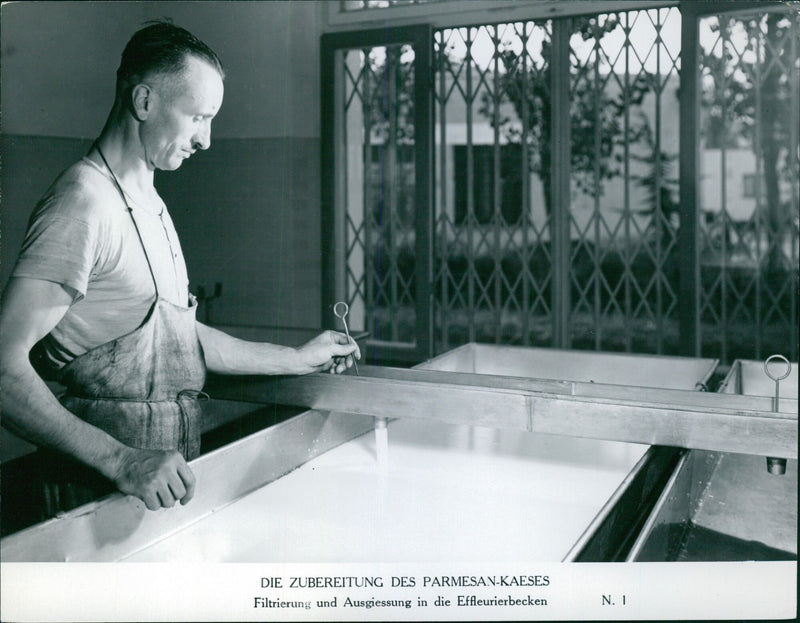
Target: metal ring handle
{"x":342,"y":316}
{"x":344,"y":313}
{"x":779,"y":358}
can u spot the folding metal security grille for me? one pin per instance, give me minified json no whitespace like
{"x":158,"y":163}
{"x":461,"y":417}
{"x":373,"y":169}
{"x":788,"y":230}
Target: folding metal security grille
{"x":546,"y":182}
{"x":493,"y":265}
{"x":494,"y":275}
{"x":749,"y":196}
{"x":378,"y":131}
{"x":624,"y":75}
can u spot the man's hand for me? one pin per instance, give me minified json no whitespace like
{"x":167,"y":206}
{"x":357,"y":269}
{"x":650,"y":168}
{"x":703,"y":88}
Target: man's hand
{"x":330,"y":350}
{"x":158,"y":478}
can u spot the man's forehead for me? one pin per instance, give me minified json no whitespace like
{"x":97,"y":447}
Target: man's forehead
{"x":199,"y":81}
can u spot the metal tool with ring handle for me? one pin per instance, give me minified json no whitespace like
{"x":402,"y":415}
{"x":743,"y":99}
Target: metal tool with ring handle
{"x":340,"y":310}
{"x":775,"y":465}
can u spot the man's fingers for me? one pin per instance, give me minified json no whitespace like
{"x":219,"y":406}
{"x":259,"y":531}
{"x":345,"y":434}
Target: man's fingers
{"x":342,"y":350}
{"x":340,"y":339}
{"x":188,"y":480}
{"x":166,"y":498}
{"x":177,"y":489}
{"x":151,"y":501}
{"x":158,"y":478}
{"x":178,"y":485}
{"x":337,"y":337}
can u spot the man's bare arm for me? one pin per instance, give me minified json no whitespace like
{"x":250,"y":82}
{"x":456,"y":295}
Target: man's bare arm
{"x":30,"y":310}
{"x":225,"y":354}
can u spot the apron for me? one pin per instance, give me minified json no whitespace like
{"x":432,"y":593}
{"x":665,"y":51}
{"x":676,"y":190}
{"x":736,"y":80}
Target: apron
{"x":143,"y":388}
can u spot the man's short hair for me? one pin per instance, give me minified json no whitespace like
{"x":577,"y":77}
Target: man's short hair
{"x":161,"y":47}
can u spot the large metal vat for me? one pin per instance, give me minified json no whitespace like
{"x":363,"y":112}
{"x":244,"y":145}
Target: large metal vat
{"x":724,"y":506}
{"x":310,"y":489}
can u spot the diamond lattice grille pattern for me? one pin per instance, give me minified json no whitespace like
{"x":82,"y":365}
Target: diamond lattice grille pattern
{"x":492,"y":265}
{"x":494,"y":261}
{"x":749,"y":193}
{"x":495,"y":214}
{"x":624,"y":210}
{"x":379,"y":219}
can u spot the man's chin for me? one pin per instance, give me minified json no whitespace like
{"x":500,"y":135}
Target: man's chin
{"x":172,"y":165}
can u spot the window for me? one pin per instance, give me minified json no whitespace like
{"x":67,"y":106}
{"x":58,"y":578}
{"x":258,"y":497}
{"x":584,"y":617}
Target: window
{"x":549,"y":211}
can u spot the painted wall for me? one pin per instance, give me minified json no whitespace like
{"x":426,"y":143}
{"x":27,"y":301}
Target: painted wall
{"x":247,"y":210}
{"x":59,"y":61}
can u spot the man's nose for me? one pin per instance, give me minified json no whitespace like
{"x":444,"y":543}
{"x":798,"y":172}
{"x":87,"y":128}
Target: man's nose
{"x":202,"y":139}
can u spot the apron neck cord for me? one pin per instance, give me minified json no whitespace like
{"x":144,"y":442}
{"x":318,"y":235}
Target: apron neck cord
{"x":130,"y":213}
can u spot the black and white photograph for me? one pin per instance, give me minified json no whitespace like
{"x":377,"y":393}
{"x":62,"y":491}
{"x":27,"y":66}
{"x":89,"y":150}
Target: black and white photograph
{"x":399,"y":310}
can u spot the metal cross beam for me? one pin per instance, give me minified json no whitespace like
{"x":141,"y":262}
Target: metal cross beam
{"x":688,"y":419}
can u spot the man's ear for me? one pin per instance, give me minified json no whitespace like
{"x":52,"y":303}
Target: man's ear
{"x":141,"y":101}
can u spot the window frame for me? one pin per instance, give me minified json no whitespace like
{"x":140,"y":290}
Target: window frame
{"x":420,"y":37}
{"x":416,"y":24}
{"x":459,"y":13}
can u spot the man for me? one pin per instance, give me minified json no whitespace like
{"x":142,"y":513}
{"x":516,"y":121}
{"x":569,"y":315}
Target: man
{"x":99,"y":296}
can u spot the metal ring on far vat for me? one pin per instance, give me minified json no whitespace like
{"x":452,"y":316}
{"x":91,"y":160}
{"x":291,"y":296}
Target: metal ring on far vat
{"x":779,"y":358}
